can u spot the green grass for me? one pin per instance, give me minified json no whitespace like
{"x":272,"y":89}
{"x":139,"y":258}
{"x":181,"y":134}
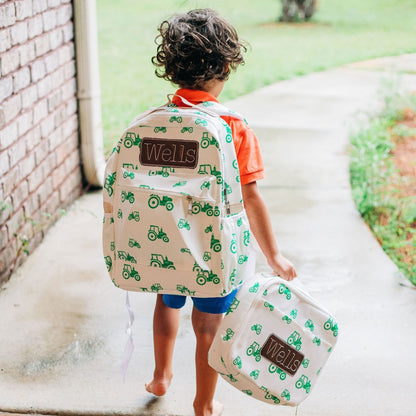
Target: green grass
{"x":340,"y":32}
{"x":376,"y":186}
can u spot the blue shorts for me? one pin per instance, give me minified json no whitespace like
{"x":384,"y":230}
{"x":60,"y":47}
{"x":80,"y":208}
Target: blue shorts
{"x":207,"y":305}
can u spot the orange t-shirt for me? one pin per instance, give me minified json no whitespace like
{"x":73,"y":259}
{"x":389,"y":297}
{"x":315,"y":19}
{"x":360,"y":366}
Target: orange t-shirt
{"x":247,"y":149}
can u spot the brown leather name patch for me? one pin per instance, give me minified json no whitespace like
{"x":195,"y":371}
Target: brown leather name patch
{"x":170,"y":153}
{"x":281,"y":354}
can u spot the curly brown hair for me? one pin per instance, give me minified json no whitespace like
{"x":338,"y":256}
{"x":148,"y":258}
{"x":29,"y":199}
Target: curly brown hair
{"x":197,"y":47}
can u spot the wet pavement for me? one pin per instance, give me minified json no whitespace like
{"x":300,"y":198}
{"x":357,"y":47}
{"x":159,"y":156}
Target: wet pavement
{"x":62,"y":321}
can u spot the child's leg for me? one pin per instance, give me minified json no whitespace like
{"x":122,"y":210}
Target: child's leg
{"x":165,"y":328}
{"x":205,"y":326}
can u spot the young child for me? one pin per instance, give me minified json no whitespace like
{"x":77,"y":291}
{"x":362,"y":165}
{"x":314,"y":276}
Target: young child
{"x":197,"y":51}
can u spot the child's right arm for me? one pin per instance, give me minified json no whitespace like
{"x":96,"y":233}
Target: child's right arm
{"x":260,"y":225}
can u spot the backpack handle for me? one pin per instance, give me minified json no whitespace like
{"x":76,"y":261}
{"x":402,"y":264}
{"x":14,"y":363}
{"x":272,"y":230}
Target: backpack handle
{"x":217,"y":109}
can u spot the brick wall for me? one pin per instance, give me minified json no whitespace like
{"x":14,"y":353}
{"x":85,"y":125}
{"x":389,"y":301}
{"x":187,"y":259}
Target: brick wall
{"x":40,"y":170}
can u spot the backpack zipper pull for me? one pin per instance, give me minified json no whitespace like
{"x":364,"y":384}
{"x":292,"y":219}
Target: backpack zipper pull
{"x":227,"y":202}
{"x":189,"y":198}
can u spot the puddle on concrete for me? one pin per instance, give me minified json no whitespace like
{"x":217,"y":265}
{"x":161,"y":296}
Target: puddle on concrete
{"x":51,"y":364}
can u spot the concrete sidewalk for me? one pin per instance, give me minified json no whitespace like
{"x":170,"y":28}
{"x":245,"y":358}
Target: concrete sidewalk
{"x":62,"y":321}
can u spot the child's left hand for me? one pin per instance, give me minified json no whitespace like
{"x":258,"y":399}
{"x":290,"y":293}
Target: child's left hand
{"x":283,"y":267}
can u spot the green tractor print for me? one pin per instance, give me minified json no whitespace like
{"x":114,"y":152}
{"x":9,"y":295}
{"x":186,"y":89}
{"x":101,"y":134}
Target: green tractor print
{"x":134,"y":216}
{"x":316,"y":341}
{"x":201,"y":121}
{"x":116,"y":148}
{"x":177,"y":119}
{"x":228,"y":190}
{"x":269,"y":396}
{"x":120,"y":213}
{"x":274,"y":369}
{"x":303,"y":383}
{"x":215,"y":244}
{"x":295,"y":339}
{"x":184,"y":290}
{"x":234,"y":305}
{"x":182,"y":223}
{"x":283,"y":289}
{"x":160,"y":129}
{"x":229,"y":137}
{"x":208,"y":229}
{"x":233,"y":245}
{"x":254,"y":350}
{"x":210,"y":170}
{"x":242,"y":259}
{"x":129,"y":166}
{"x":255,"y":374}
{"x":246,"y":238}
{"x":127,"y":196}
{"x":109,"y":182}
{"x":180,"y":183}
{"x":164,"y":172}
{"x":257,"y":328}
{"x":155,"y":232}
{"x":156,"y":288}
{"x":233,"y":275}
{"x":205,"y":185}
{"x":127,"y":174}
{"x":131,"y":140}
{"x":228,"y":334}
{"x":237,"y":362}
{"x":111,"y":219}
{"x":288,"y":318}
{"x":331,"y":325}
{"x":187,"y":129}
{"x":254,"y":288}
{"x":309,"y":324}
{"x":130,"y":272}
{"x":197,"y":207}
{"x":108,"y":263}
{"x":156,"y":200}
{"x":206,"y":141}
{"x":305,"y":363}
{"x":186,"y":250}
{"x":285,"y":394}
{"x":269,"y":306}
{"x":205,"y":276}
{"x":157,"y":260}
{"x":207,"y":256}
{"x":134,"y":243}
{"x":123,"y":255}
{"x":230,"y":377}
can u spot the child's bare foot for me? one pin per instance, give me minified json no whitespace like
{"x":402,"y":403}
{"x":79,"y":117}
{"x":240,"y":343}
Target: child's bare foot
{"x":214,"y":410}
{"x":158,"y":387}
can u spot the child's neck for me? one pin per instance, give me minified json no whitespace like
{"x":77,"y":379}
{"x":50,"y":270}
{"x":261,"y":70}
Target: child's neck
{"x":214,"y":87}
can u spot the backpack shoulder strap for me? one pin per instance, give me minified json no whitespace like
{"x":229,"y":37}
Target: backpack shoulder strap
{"x":220,"y":109}
{"x":212,"y":108}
